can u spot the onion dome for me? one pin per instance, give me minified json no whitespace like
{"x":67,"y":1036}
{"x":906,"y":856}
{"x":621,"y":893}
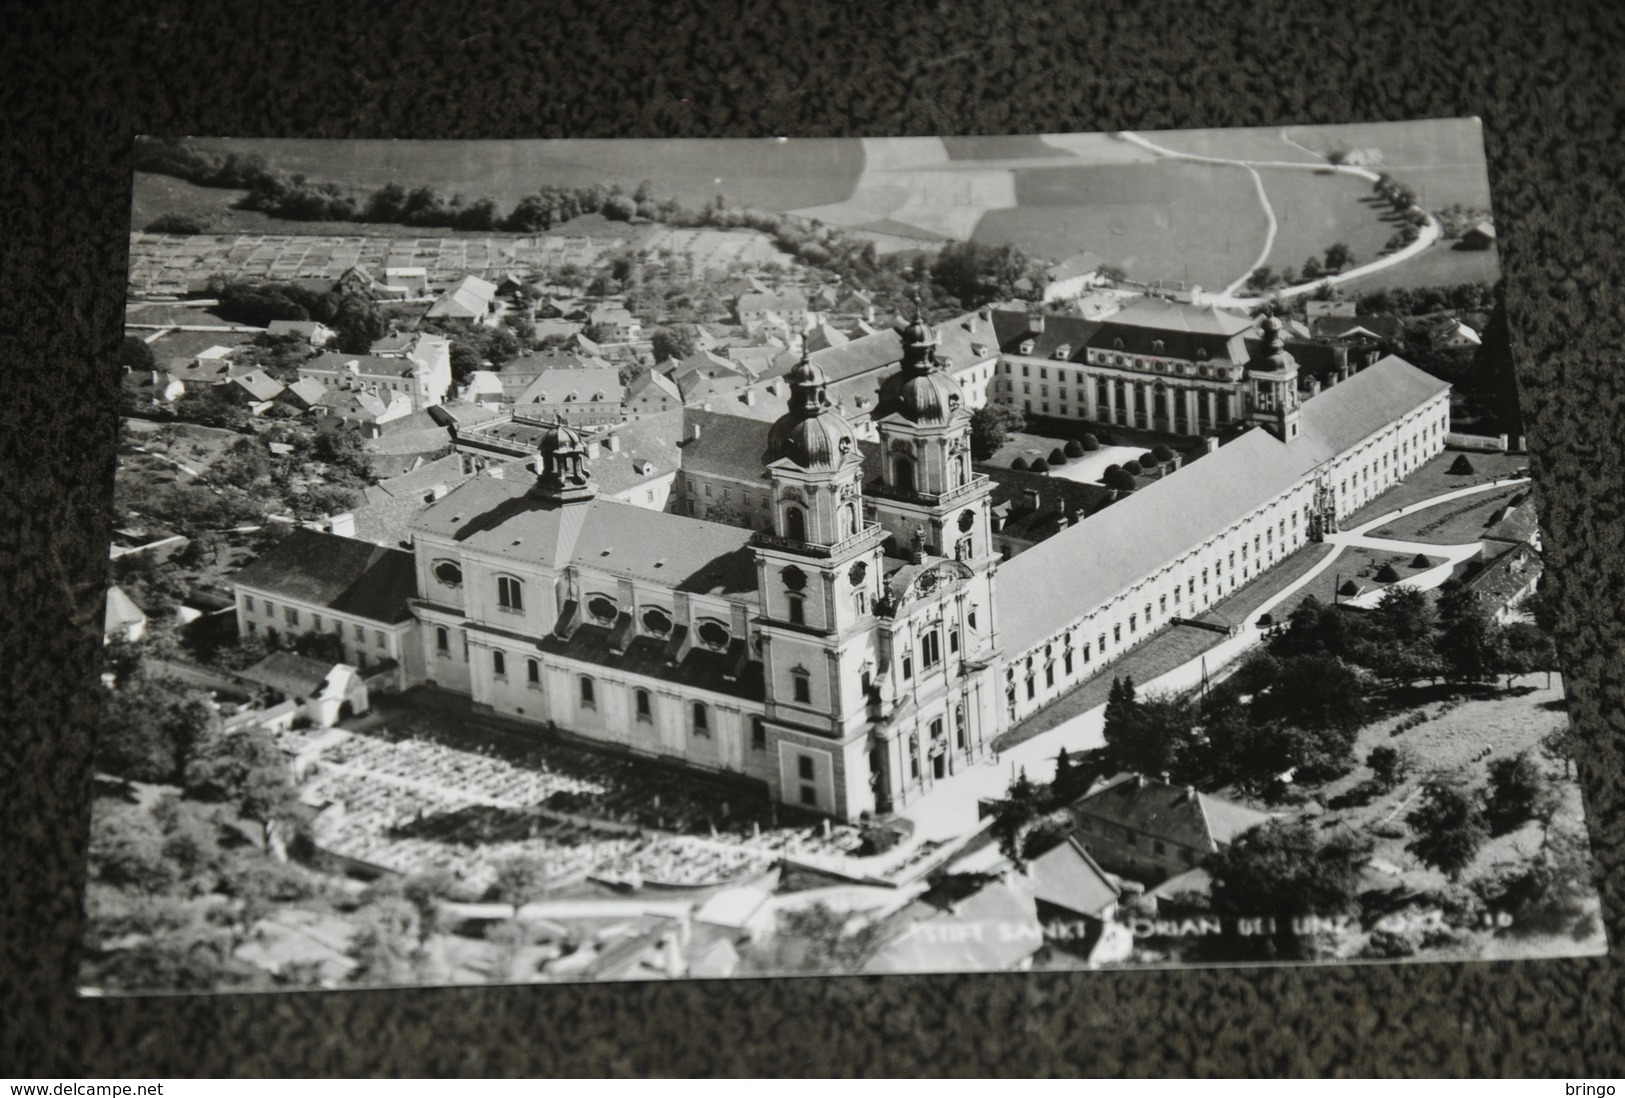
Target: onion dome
{"x":921,"y":391}
{"x":1274,"y":358}
{"x":811,"y":433}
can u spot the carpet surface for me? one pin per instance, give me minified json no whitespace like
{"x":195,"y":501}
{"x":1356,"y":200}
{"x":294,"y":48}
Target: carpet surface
{"x":81,"y":78}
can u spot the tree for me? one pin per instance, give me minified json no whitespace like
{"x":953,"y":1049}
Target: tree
{"x":1554,"y":894}
{"x":820,"y":939}
{"x":1284,"y":869}
{"x":1467,"y":640}
{"x":137,"y":354}
{"x":1312,"y":269}
{"x":519,"y":879}
{"x":1517,"y":792}
{"x":990,"y":425}
{"x":464,"y":361}
{"x":674,"y":342}
{"x":384,"y":943}
{"x":1388,"y":765}
{"x":1339,"y":256}
{"x":1450,"y":827}
{"x":245,"y":767}
{"x":1120,"y":480}
{"x":1523,"y":649}
{"x":149,"y":727}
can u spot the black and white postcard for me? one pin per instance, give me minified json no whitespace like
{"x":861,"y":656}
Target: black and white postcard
{"x":642,"y":560}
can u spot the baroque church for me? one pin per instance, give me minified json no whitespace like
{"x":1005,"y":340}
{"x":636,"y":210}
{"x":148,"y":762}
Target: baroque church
{"x":846,"y":680}
{"x":869,"y":640}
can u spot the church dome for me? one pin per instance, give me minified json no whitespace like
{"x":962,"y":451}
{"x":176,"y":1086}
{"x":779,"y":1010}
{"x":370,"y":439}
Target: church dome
{"x":560,"y":438}
{"x":811,"y":433}
{"x":1274,"y":358}
{"x":816,"y":443}
{"x":930,"y":398}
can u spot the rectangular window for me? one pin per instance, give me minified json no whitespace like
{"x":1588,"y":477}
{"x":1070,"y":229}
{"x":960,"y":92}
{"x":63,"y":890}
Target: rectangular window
{"x":803,"y":688}
{"x":588,"y":695}
{"x":378,"y":639}
{"x":533,"y":672}
{"x":804,"y":767}
{"x":1117,"y":634}
{"x":248,"y":603}
{"x":270,"y":609}
{"x":499,"y":665}
{"x":908,"y":666}
{"x":1049,"y":676}
{"x":930,"y":650}
{"x":953,"y":638}
{"x":290,"y":615}
{"x":253,"y":627}
{"x":809,"y":796}
{"x":316,"y":622}
{"x":758,"y":734}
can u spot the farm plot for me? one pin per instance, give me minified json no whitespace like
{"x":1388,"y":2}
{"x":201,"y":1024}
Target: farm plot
{"x":1201,"y":223}
{"x":1251,"y":143}
{"x":1313,"y":211}
{"x":1446,"y":156}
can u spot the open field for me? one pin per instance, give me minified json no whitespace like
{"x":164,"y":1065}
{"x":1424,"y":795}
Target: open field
{"x":1167,"y":219}
{"x":1315,"y":211}
{"x":158,"y":196}
{"x":1453,"y":523}
{"x":1433,"y":479}
{"x":1250,"y":143}
{"x":1002,"y":147}
{"x":1445,"y":155}
{"x":1440,"y":265}
{"x":774,"y":175}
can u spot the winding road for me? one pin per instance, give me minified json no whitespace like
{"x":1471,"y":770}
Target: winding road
{"x":1428,"y":234}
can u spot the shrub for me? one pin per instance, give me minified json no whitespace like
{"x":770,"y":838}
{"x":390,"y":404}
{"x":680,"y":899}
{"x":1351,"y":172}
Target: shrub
{"x":1163,"y":453}
{"x":1150,"y":460}
{"x":1019,"y":464}
{"x":179,"y":224}
{"x":1120,"y":479}
{"x":1039,"y":465}
{"x":1421,"y":561}
{"x":1090,"y":442}
{"x":1074,"y":448}
{"x":1133,"y":468}
{"x":1057,"y":457}
{"x":1461,"y":467}
{"x":1387,"y":574}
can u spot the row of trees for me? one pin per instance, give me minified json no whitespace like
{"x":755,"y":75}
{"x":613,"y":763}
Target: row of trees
{"x":354,"y":317}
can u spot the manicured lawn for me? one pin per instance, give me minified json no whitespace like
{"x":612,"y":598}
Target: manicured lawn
{"x":1450,"y":523}
{"x":1356,"y":564}
{"x":1434,"y":479}
{"x":1234,"y":610}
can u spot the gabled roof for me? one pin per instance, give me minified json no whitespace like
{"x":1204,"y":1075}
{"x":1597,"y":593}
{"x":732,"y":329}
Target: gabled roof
{"x":353,"y":404}
{"x":501,"y":517}
{"x":592,"y":385}
{"x":1376,"y":396}
{"x":1382,"y":328}
{"x":1157,"y":326}
{"x":308,"y":390}
{"x":1012,"y":330}
{"x":122,"y":612}
{"x":773,"y":303}
{"x":653,"y":383}
{"x":469,"y":299}
{"x":1066,"y":876}
{"x":306,"y":328}
{"x":346,"y":575}
{"x":1087,"y":565}
{"x":291,"y":674}
{"x":1176,"y":814}
{"x":336,"y":362}
{"x":258,"y":384}
{"x":728,"y":445}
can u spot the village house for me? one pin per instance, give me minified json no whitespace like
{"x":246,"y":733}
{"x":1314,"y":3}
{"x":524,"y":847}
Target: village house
{"x":615,"y":324}
{"x":472,"y":301}
{"x":313,"y":332}
{"x":416,"y":367}
{"x":1073,"y":277}
{"x":586,"y":397}
{"x":651,"y":393}
{"x":1147,"y":829}
{"x":324,"y":693}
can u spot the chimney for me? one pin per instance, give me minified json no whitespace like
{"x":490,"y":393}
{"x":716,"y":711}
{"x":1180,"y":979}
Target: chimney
{"x":1030,"y":497}
{"x":1035,"y":322}
{"x":614,"y":443}
{"x":593,"y":450}
{"x":985,"y":312}
{"x":1190,"y":793}
{"x":750,"y":396}
{"x":693,"y":431}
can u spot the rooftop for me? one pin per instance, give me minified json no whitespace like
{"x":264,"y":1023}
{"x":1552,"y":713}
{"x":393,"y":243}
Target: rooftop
{"x":349,"y":576}
{"x":1177,"y":814}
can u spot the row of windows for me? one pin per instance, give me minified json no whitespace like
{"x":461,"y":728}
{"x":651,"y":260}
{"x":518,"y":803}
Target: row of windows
{"x":294,"y":618}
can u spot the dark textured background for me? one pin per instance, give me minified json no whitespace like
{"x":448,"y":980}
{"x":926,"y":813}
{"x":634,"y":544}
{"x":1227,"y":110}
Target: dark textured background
{"x":79,"y":79}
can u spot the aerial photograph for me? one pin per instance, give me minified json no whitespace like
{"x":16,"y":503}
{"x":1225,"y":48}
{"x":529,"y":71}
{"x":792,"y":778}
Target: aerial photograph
{"x":598,"y":560}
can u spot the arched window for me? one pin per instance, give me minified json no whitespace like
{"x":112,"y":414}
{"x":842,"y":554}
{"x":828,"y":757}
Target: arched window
{"x":442,"y":640}
{"x":510,"y":593}
{"x":533,"y":672}
{"x":795,"y":524}
{"x":849,"y":520}
{"x":643,"y":707}
{"x":499,"y":665}
{"x":903,"y":472}
{"x":589,"y":698}
{"x":702,"y":719}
